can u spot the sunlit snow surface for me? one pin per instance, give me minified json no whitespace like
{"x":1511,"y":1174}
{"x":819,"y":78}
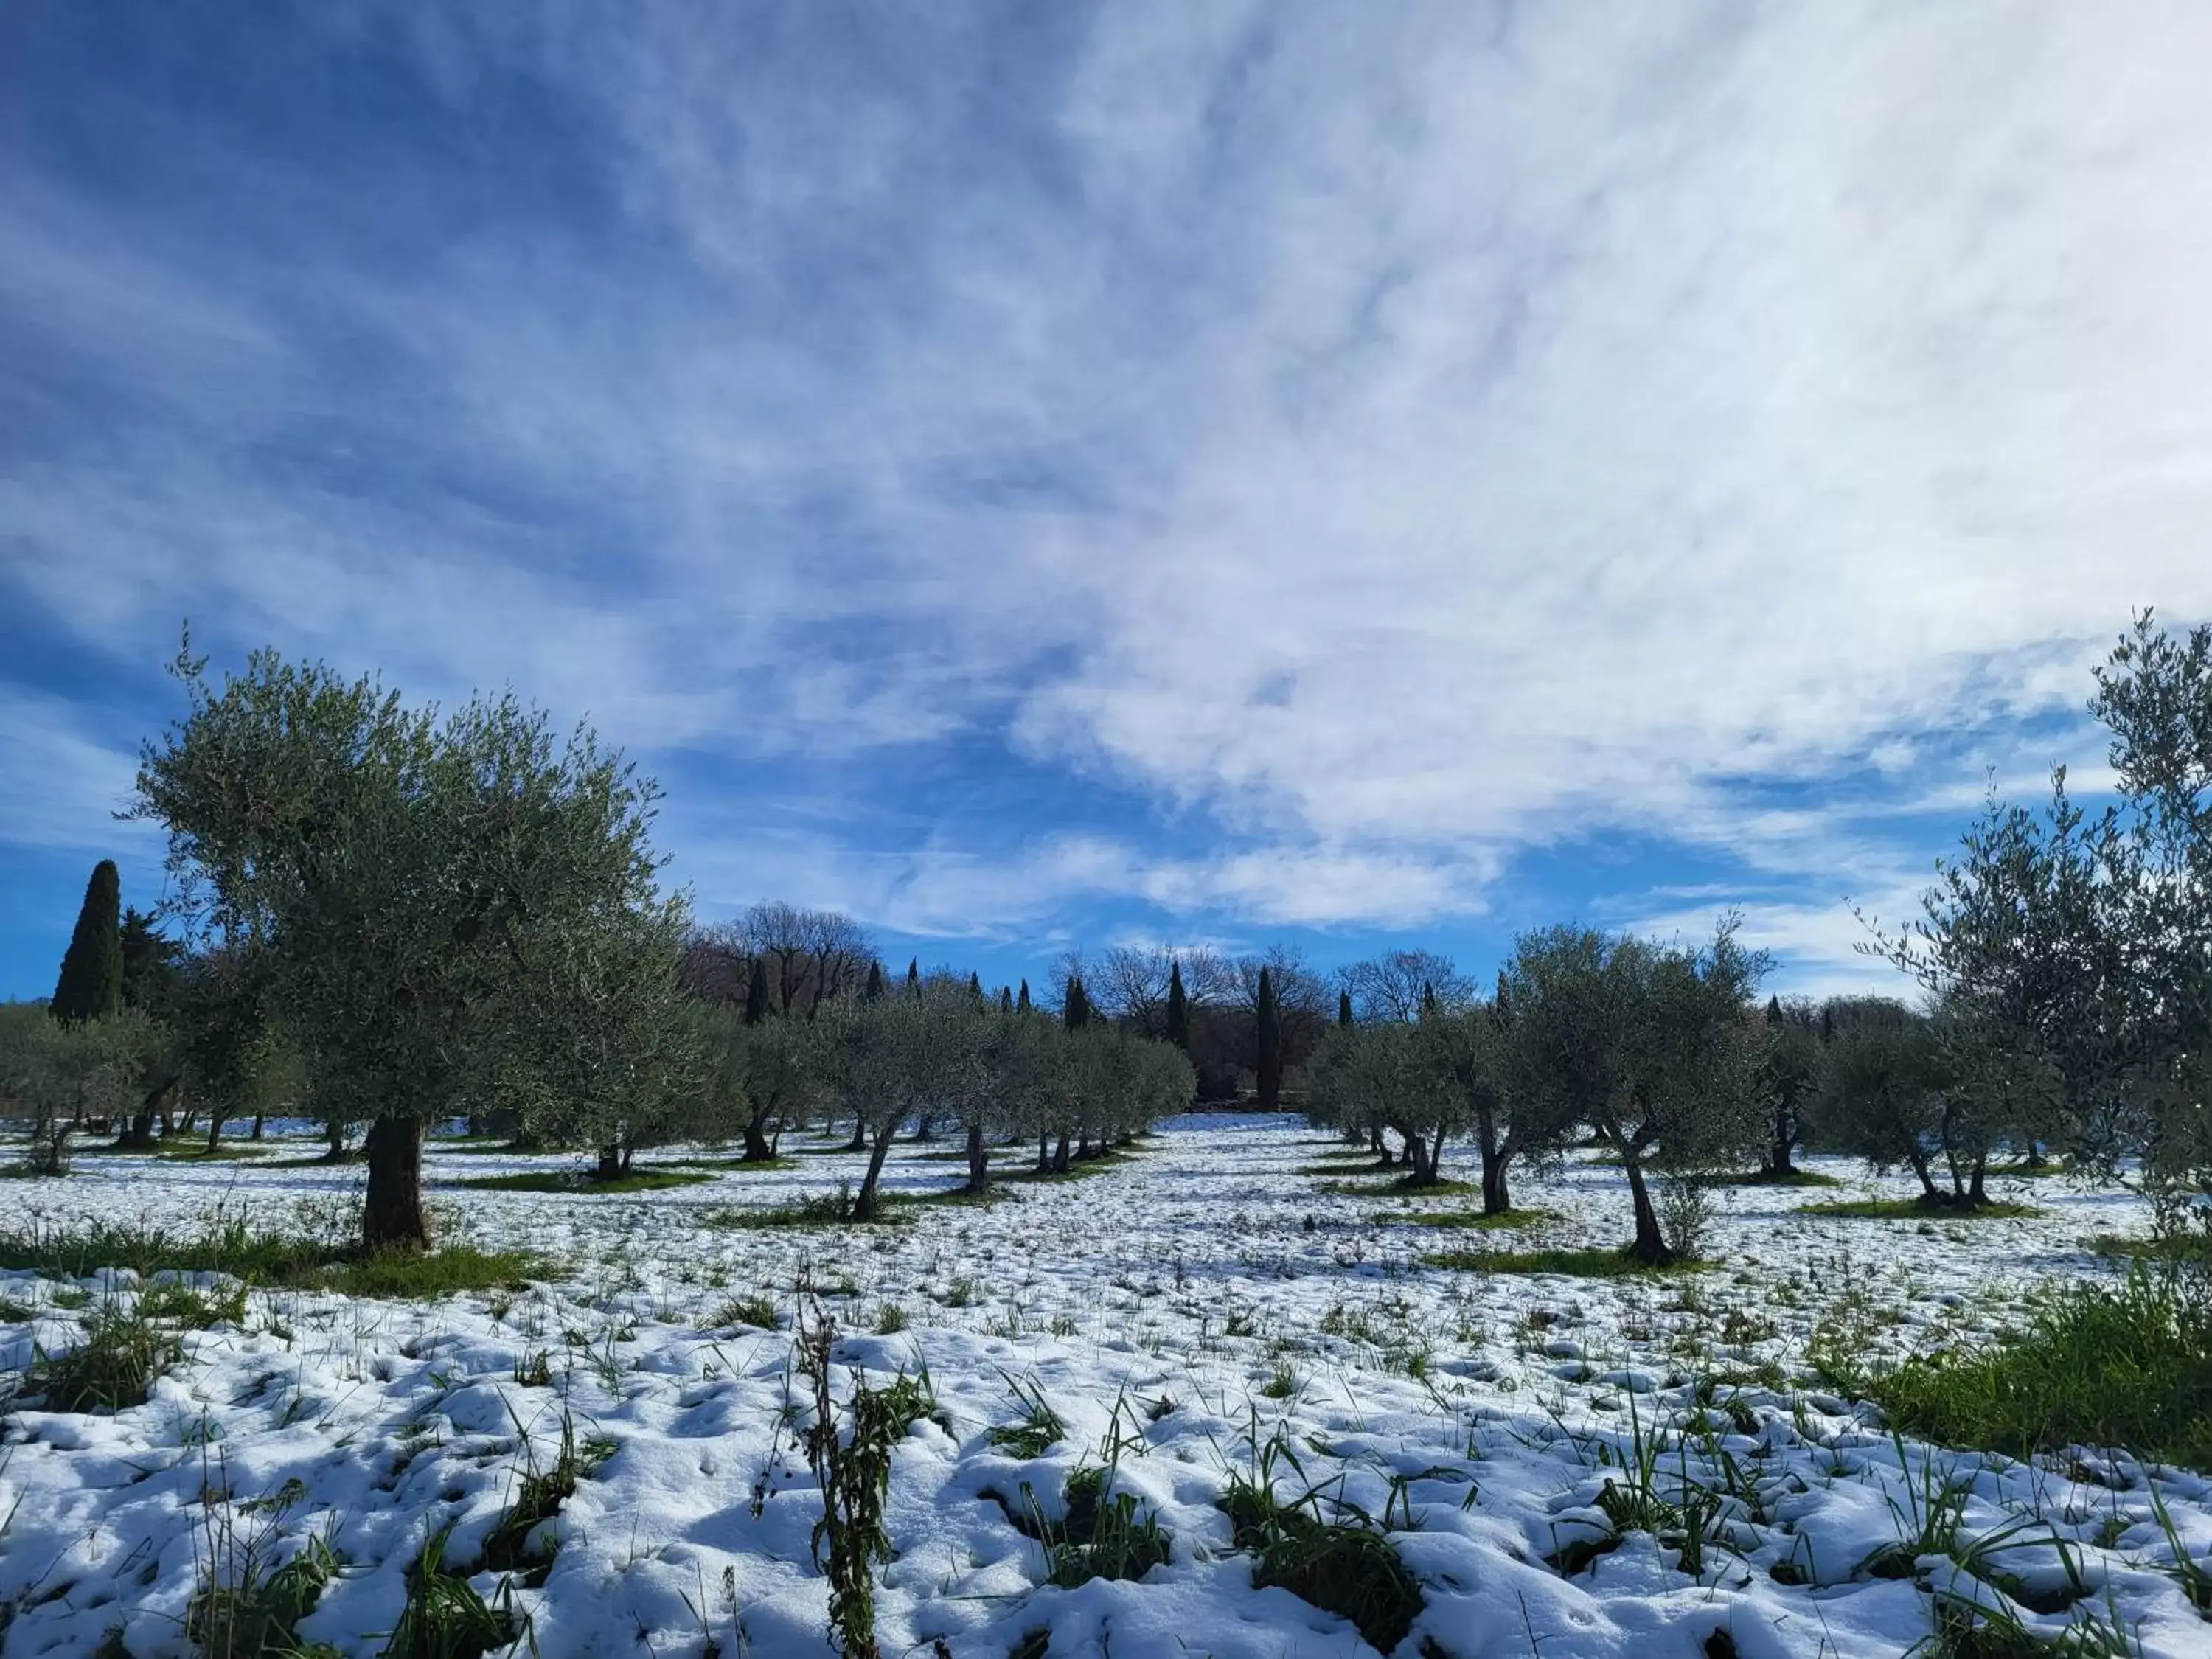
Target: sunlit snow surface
{"x":1198,"y":1274}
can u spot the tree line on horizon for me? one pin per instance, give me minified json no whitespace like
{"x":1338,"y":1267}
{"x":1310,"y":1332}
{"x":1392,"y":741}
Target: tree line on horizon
{"x":387,"y":917}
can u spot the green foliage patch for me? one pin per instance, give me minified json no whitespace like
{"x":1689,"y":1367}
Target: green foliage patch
{"x":1394,"y":1186}
{"x":2127,"y":1365}
{"x":1769,"y":1178}
{"x":231,"y":1246}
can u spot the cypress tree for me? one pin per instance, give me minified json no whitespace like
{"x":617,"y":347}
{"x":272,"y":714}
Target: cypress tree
{"x":91,"y":982}
{"x":913,"y":974}
{"x":1343,"y":1009}
{"x":1005,"y":1000}
{"x":1178,"y":1008}
{"x":1076,"y":1012}
{"x":1022,"y":1002}
{"x":875,"y":986}
{"x":976,"y":986}
{"x":1774,"y":1010}
{"x":1428,"y":998}
{"x":756,"y":994}
{"x":1270,"y":1044}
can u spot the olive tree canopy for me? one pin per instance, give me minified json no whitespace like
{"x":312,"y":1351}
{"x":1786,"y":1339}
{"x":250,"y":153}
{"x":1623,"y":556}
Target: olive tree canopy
{"x":433,"y":893}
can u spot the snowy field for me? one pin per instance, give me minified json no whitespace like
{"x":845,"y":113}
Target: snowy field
{"x":1201,"y":1311}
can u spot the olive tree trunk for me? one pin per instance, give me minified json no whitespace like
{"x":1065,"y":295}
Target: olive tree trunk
{"x":978,"y":1160}
{"x":863,"y":1202}
{"x":391,"y":1215}
{"x":1650,"y":1244}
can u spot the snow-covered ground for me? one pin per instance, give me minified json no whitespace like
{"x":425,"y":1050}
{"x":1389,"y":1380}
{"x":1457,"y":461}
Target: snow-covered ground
{"x":1195,"y":1305}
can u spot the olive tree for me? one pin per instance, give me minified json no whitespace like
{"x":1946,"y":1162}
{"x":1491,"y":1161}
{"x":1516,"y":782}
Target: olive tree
{"x":1653,"y":1045}
{"x":62,"y":1073}
{"x":1396,"y":1075}
{"x":617,"y":1055}
{"x":1881,"y":1086}
{"x":1788,"y":1080}
{"x":418,"y":882}
{"x":785,"y":1082}
{"x":1509,"y":1122}
{"x":888,"y":1058}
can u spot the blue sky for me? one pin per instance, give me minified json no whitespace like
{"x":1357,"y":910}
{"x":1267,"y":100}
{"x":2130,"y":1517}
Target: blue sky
{"x":1028,"y":476}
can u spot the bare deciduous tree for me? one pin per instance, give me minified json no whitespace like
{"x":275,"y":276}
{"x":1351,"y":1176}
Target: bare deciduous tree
{"x":813,"y":957}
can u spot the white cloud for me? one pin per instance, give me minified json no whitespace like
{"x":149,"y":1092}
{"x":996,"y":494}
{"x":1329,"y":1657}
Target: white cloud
{"x":1624,"y":412}
{"x":63,"y":783}
{"x":1458,"y":430}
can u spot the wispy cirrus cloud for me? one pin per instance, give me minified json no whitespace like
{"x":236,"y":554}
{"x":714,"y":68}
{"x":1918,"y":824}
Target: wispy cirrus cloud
{"x":1276,"y":467}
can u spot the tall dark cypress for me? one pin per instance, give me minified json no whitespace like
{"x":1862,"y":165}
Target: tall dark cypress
{"x":913,"y":974}
{"x":1005,"y":1000}
{"x":1343,"y":1009}
{"x":1270,"y":1044}
{"x":1774,"y":1010}
{"x":1076,"y":1010}
{"x":756,"y":994}
{"x":1428,"y":999}
{"x":1178,"y":1008}
{"x":976,"y":986}
{"x":91,"y":982}
{"x":875,"y":985}
{"x":1022,"y":1002}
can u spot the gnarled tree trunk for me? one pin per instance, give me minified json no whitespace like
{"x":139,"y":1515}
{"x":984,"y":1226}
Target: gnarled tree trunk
{"x":391,"y":1215}
{"x":1650,"y":1244}
{"x":863,"y":1202}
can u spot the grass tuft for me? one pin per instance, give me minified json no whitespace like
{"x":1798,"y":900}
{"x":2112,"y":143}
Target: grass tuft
{"x":1041,"y":1427}
{"x":115,"y":1365}
{"x":445,"y":1618}
{"x":758,"y":1311}
{"x":516,"y":1543}
{"x":1102,"y":1537}
{"x":1348,"y":1568}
